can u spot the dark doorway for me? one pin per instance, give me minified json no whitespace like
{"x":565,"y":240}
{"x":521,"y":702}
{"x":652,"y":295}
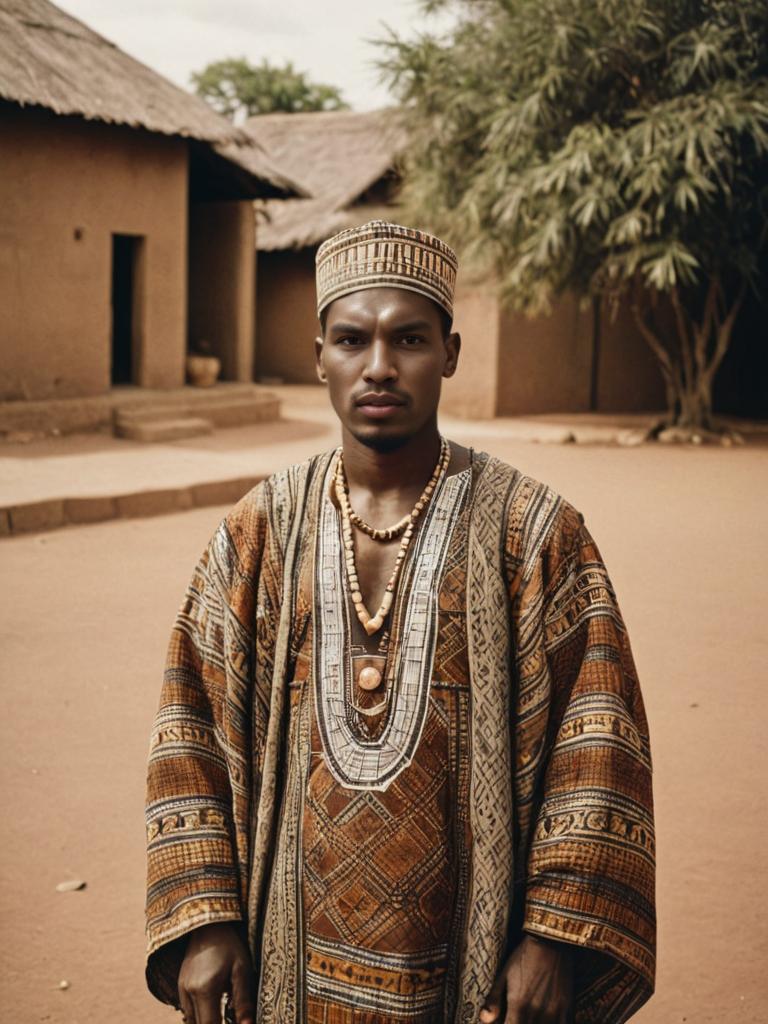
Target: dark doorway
{"x":126,"y":256}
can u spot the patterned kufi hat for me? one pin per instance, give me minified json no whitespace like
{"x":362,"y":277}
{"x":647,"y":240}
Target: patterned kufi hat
{"x":384,"y":255}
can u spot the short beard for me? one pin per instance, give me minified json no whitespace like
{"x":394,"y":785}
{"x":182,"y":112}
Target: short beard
{"x":381,"y":445}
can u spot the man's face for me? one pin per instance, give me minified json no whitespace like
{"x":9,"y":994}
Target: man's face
{"x":383,"y":355}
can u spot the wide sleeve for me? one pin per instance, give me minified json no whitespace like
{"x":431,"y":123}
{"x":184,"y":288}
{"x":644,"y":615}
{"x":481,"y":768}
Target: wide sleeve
{"x":583,"y":772}
{"x":197,"y":784}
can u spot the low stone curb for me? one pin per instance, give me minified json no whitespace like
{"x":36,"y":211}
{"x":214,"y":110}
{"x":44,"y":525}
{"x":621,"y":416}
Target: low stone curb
{"x":55,"y":513}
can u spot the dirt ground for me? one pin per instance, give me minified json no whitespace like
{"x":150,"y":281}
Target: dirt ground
{"x":85,"y":615}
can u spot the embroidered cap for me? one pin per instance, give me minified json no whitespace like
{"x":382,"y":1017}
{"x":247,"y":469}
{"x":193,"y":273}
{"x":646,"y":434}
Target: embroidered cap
{"x":384,"y":255}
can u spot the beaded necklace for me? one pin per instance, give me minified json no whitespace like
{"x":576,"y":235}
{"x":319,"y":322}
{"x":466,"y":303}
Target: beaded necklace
{"x":372,"y":623}
{"x":388,"y":533}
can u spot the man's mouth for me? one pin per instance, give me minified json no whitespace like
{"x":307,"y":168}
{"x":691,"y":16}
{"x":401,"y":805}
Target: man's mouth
{"x":383,"y":399}
{"x":379,"y":406}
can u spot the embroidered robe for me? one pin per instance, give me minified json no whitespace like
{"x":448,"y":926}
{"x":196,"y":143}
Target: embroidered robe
{"x":556,"y":802}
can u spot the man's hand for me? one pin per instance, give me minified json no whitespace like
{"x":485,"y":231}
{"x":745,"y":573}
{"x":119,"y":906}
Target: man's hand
{"x":535,"y":985}
{"x":216,"y":961}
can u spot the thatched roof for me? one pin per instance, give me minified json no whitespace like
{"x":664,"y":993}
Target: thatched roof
{"x":339,"y":158}
{"x":50,"y":59}
{"x":299,"y":223}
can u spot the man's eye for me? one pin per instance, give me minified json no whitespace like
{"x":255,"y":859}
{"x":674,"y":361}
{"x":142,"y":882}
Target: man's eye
{"x":412,"y":339}
{"x":349,"y":339}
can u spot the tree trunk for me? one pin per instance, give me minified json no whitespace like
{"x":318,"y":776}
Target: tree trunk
{"x":689,"y":360}
{"x":694,"y":408}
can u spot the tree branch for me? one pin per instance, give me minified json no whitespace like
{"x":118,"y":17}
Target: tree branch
{"x":669,"y":370}
{"x":723,"y":335}
{"x":703,"y":330}
{"x":685,"y":341}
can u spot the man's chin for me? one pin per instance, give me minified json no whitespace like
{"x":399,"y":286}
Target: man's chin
{"x":379,"y":441}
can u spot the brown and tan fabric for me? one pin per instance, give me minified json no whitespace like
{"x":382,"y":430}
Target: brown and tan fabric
{"x":525,"y":804}
{"x":384,"y":255}
{"x":385,"y":869}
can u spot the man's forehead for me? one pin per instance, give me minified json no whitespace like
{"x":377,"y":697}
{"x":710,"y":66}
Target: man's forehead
{"x":389,"y":306}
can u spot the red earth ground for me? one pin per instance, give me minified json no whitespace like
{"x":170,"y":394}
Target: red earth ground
{"x":86,"y":614}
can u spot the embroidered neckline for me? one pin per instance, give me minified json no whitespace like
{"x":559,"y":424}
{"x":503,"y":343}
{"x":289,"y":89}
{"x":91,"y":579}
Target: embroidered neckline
{"x":354,"y":761}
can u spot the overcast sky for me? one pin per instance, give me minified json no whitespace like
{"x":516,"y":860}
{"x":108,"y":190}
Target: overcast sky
{"x":327,"y":38}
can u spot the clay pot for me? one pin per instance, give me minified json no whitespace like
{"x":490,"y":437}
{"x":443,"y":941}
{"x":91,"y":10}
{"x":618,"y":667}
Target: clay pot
{"x":203,"y":371}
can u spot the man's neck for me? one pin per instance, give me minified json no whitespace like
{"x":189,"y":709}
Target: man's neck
{"x":406,"y":468}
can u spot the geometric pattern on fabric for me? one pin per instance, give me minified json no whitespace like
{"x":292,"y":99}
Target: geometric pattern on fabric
{"x":380,"y":254}
{"x":580,"y":814}
{"x":373,"y":762}
{"x":583,"y":773}
{"x":384,"y":872}
{"x":281,"y":981}
{"x":385,"y":986}
{"x":277,"y":831}
{"x":379,"y":884}
{"x":198,"y":786}
{"x":490,"y":801}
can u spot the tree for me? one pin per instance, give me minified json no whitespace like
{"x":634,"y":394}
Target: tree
{"x":238,"y":89}
{"x":610,"y":146}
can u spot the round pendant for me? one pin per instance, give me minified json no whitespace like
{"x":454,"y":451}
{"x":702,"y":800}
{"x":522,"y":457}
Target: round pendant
{"x":369,"y":678}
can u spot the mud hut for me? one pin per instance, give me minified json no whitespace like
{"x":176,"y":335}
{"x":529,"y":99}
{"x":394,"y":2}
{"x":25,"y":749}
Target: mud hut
{"x":348,"y":165}
{"x":126,"y":217}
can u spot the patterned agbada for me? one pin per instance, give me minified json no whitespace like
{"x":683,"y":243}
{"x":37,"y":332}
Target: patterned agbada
{"x":382,"y":866}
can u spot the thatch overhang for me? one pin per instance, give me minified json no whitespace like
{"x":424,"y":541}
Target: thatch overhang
{"x":345,"y":160}
{"x":234,"y":171}
{"x":301,"y":223}
{"x":50,"y":60}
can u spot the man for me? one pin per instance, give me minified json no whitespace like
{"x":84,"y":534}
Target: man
{"x":400,"y":770}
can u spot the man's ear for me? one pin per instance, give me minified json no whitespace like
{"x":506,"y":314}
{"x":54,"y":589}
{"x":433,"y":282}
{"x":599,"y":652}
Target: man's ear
{"x":319,"y":359}
{"x":452,"y":349}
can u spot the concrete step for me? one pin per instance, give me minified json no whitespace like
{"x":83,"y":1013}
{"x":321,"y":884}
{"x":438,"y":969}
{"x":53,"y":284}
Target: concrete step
{"x":226,"y":404}
{"x":164,"y":429}
{"x":221,"y":410}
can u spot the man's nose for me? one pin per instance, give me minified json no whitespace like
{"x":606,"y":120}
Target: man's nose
{"x":380,"y":365}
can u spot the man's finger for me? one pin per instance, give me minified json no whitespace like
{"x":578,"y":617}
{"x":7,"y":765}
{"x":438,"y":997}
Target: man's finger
{"x":207,"y":1008}
{"x":242,"y":994}
{"x":187,"y":1007}
{"x":491,"y":1010}
{"x":518,"y":1015}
